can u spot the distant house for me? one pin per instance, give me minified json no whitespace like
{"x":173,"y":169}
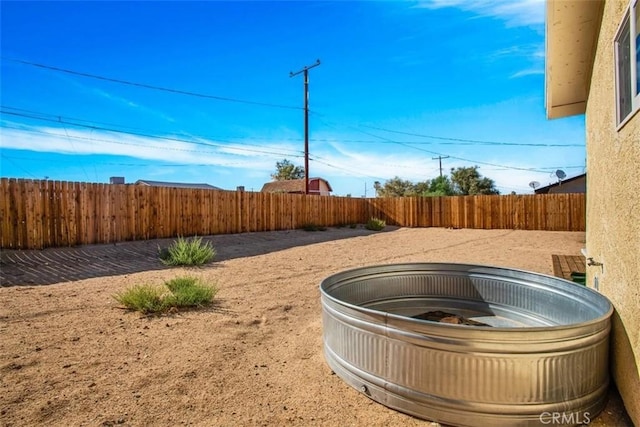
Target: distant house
{"x":576,"y":184}
{"x":317,"y":186}
{"x":176,"y":185}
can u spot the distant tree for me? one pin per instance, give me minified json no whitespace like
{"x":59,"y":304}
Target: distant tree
{"x":395,"y":187}
{"x":286,"y":170}
{"x":440,"y":186}
{"x":422,"y":187}
{"x":468,"y":181}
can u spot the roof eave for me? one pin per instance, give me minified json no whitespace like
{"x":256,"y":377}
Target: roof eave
{"x":572,"y":28}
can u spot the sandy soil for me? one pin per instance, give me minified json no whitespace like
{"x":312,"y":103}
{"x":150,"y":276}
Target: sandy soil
{"x":70,"y":356}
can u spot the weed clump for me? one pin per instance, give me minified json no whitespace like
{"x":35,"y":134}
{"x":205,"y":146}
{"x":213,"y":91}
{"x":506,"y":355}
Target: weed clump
{"x":189,"y":292}
{"x":188,"y":252}
{"x":375,"y":224}
{"x":143,"y":298}
{"x":181,"y":292}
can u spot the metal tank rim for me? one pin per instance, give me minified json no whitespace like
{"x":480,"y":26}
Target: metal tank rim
{"x":362,"y":272}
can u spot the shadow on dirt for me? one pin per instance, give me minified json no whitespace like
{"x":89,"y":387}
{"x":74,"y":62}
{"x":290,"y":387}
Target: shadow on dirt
{"x":56,"y":265}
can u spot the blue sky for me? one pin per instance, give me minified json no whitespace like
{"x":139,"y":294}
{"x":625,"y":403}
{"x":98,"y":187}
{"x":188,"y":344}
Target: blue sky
{"x":399,"y":83}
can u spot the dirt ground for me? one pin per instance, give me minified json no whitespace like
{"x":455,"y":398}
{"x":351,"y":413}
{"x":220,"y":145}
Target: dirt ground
{"x":70,"y":356}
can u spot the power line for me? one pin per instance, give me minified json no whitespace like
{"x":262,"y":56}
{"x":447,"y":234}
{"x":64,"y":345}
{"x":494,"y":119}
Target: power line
{"x":146,"y":135}
{"x":472,"y":141}
{"x":19,"y":167}
{"x":92,"y":125}
{"x":148,"y":86}
{"x":358,"y":174}
{"x":461,"y":142}
{"x":74,"y":149}
{"x":137,"y":165}
{"x":111,"y":141}
{"x":23,"y":110}
{"x":515,"y":144}
{"x":232,"y":164}
{"x":540,"y":170}
{"x":452,"y":141}
{"x":59,"y":119}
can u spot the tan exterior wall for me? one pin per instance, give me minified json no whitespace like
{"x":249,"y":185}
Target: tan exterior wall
{"x":319,"y":186}
{"x":613,"y":211}
{"x":324,"y":189}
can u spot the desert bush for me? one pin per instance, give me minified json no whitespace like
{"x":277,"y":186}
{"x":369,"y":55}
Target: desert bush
{"x":177,"y":293}
{"x":375,"y":224}
{"x":187,"y":252}
{"x":190,"y":292}
{"x":143,"y":298}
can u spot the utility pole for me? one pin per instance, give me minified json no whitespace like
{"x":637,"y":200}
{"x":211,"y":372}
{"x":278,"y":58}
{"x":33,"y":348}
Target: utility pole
{"x":305,"y":70}
{"x":440,"y":159}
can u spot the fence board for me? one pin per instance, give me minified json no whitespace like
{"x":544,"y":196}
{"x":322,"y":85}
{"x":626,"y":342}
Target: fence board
{"x":38,"y":214}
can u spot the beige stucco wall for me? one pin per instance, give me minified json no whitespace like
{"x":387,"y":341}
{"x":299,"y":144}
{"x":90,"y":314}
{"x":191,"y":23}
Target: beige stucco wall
{"x":613,"y":211}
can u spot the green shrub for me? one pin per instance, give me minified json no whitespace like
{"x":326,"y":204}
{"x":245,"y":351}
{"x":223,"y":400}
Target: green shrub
{"x":144,"y":298}
{"x":313,"y":227}
{"x":375,"y":224}
{"x":177,"y":293}
{"x":187,"y":252}
{"x":189,"y":292}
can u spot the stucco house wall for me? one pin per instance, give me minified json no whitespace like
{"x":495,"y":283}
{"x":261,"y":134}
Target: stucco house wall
{"x":613,"y":210}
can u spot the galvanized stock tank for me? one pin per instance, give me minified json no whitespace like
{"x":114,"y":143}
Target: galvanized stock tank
{"x":535,"y":350}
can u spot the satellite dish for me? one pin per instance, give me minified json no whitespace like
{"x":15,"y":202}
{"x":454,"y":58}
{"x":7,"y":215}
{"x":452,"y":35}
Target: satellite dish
{"x":534,"y":184}
{"x":560,"y":174}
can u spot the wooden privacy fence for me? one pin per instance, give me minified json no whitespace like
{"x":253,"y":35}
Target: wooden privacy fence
{"x":35,"y":214}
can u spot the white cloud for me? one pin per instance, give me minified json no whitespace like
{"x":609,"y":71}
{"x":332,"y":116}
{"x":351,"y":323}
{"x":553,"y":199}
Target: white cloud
{"x":531,"y":53}
{"x":528,"y":72}
{"x":87,"y":142}
{"x":345,"y":167}
{"x":515,"y":13}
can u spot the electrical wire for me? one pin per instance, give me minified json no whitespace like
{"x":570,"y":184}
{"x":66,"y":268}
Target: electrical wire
{"x":146,"y":135}
{"x":471,"y":141}
{"x":114,"y":127}
{"x":75,"y":122}
{"x":18,"y":166}
{"x":73,"y":147}
{"x":454,"y":141}
{"x":477,"y":162}
{"x":462,"y":143}
{"x":137,"y":165}
{"x":358,"y":174}
{"x":148,"y":86}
